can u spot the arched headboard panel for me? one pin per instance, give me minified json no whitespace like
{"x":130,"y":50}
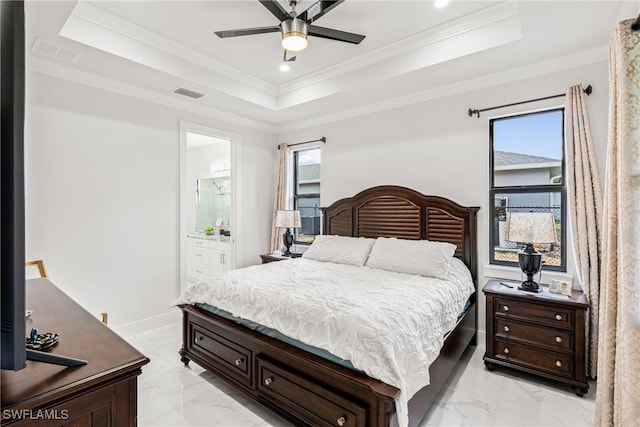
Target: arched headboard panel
{"x":394,"y":211}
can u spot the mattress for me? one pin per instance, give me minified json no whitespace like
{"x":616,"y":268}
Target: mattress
{"x":388,"y":325}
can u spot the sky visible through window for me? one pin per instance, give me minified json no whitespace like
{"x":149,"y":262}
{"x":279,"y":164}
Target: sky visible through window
{"x":536,"y":134}
{"x":309,"y":157}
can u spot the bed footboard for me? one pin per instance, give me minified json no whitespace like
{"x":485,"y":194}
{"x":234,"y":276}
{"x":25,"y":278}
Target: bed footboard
{"x":301,"y":387}
{"x":304,"y":388}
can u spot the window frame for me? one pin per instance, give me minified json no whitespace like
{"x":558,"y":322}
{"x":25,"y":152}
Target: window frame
{"x":294,"y":191}
{"x":523,"y":189}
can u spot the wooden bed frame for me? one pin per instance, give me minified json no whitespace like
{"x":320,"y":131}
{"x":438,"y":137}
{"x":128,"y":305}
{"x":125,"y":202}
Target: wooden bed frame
{"x":307,"y":389}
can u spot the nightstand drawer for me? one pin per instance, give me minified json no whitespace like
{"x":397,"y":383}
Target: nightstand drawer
{"x":552,"y":316}
{"x":554,"y":363}
{"x":539,"y":336}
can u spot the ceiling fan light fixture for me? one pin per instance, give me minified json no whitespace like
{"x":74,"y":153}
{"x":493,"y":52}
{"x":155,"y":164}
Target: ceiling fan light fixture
{"x":284,"y":67}
{"x":294,"y":35}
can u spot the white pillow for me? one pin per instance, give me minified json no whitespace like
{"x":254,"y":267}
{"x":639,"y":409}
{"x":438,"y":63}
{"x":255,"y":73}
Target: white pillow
{"x":422,"y":257}
{"x":340,"y":249}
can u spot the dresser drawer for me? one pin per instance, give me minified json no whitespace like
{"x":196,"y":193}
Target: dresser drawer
{"x":311,"y":401}
{"x":552,"y":316}
{"x":539,"y":336}
{"x":229,"y":356}
{"x":554,"y":363}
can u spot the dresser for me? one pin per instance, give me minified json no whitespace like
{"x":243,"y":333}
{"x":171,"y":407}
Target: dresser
{"x":207,"y":256}
{"x":101,"y":393}
{"x":541,"y":334}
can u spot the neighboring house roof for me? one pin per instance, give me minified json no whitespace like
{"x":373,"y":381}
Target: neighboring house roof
{"x":309,"y":172}
{"x":506,"y":161}
{"x":505,"y":158}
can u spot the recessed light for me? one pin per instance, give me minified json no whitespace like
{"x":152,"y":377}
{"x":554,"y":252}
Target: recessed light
{"x":440,"y":3}
{"x":284,"y":67}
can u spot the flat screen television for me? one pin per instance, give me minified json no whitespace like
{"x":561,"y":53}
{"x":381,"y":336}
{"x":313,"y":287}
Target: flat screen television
{"x":12,"y":249}
{"x":13,"y":351}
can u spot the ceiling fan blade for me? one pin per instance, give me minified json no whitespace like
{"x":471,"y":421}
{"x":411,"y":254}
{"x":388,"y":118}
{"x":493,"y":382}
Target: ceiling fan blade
{"x":274,"y":7}
{"x":330,"y":33}
{"x":318,"y":9}
{"x":247,"y":31}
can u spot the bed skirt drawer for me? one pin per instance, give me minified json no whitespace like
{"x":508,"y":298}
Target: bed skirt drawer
{"x":229,"y":357}
{"x":311,"y":401}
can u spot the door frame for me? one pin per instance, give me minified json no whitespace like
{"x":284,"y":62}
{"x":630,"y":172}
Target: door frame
{"x":236,"y":228}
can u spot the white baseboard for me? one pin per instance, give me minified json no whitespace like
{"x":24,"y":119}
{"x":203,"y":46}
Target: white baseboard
{"x":143,"y":325}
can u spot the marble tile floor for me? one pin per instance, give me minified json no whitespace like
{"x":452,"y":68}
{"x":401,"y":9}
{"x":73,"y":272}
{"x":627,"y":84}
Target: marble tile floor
{"x":171,"y":395}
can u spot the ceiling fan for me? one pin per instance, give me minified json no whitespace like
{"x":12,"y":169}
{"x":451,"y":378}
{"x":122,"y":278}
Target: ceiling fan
{"x":295,"y":28}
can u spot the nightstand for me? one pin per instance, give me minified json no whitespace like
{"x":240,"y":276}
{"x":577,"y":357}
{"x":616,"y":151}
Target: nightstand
{"x":542,"y":334}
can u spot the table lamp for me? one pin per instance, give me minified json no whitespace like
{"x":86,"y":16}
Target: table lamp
{"x":288,"y":220}
{"x":530,"y":228}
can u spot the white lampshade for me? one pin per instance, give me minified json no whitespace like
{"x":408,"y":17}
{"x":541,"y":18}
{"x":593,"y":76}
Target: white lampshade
{"x":294,"y":35}
{"x":531,"y":227}
{"x":288,"y":219}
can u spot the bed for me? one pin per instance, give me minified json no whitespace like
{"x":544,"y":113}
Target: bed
{"x":308,"y":388}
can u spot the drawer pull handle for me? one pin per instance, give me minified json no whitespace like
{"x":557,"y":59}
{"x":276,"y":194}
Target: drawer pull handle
{"x":558,"y":317}
{"x":198,"y":339}
{"x":506,"y":350}
{"x":558,"y":339}
{"x":558,"y":363}
{"x":506,"y":328}
{"x":238,"y":362}
{"x":341,"y":421}
{"x":268,"y":381}
{"x":505,"y":308}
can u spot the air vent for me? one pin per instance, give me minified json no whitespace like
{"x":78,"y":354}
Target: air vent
{"x":189,"y":93}
{"x":51,"y":50}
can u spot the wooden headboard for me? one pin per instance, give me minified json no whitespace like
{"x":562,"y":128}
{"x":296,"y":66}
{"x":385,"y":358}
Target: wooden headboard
{"x":394,"y":211}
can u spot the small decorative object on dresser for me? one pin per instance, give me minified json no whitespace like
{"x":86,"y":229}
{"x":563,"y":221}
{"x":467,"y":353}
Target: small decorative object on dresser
{"x":541,"y":333}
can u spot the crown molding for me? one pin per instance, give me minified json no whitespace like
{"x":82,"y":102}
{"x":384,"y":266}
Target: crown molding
{"x":96,"y":28}
{"x":102,"y":18}
{"x":88,"y":79}
{"x":576,"y":60}
{"x":566,"y":62}
{"x":500,"y":29}
{"x":447,"y":30}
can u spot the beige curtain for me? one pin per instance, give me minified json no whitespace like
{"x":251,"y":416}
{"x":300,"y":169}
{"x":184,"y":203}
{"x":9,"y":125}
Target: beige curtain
{"x":280,"y":198}
{"x":585,"y":201}
{"x":618,"y":390}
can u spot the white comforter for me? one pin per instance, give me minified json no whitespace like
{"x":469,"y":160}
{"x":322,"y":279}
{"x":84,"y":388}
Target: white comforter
{"x":389,"y":325}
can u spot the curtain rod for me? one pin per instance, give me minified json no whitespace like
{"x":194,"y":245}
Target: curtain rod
{"x":636,"y":25}
{"x":588,"y":91}
{"x":322,"y":138}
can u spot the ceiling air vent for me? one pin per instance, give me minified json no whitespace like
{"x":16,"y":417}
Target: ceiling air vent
{"x":189,"y":93}
{"x":51,"y":50}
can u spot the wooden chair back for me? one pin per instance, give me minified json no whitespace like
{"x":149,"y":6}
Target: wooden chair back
{"x":41,"y":268}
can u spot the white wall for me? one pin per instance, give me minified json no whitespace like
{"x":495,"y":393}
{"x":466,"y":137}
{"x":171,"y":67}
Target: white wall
{"x":102,"y":195}
{"x":436,"y":148}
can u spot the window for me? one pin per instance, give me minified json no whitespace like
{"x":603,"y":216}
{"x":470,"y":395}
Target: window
{"x":527,"y":175}
{"x":306,"y":193}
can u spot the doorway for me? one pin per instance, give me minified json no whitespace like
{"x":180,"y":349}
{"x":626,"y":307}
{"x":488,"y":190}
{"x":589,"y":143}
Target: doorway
{"x":208,"y":227}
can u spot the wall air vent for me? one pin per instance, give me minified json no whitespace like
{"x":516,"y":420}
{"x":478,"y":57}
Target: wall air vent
{"x":51,"y":50}
{"x":189,"y":93}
